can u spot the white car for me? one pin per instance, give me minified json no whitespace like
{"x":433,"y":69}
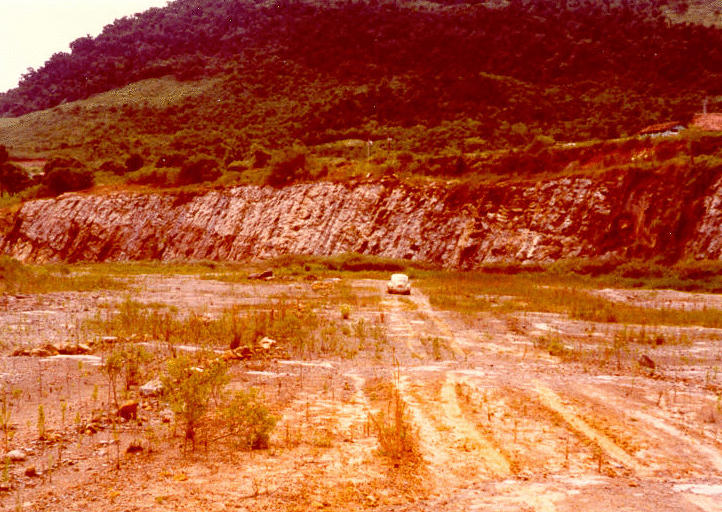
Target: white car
{"x":399,"y":283}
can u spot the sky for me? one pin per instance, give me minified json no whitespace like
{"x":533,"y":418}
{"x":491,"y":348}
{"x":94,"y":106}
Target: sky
{"x":31,"y":31}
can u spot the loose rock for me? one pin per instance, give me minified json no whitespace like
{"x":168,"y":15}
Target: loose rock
{"x":646,"y":361}
{"x":266,"y":274}
{"x":152,"y":388}
{"x":129,"y":410}
{"x":16,"y":455}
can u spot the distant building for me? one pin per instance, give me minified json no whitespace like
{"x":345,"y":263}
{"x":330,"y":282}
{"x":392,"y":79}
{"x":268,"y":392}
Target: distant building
{"x":709,"y":122}
{"x":662,"y":129}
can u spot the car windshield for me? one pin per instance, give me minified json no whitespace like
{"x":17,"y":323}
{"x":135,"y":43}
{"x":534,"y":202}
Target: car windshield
{"x":399,"y":278}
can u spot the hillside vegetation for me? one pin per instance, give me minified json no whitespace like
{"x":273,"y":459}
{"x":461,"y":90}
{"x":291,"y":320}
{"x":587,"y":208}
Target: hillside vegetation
{"x":297,"y":88}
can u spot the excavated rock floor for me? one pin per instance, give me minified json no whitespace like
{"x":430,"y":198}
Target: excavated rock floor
{"x":499,"y":424}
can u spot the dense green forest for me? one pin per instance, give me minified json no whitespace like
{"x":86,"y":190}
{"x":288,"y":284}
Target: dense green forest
{"x":440,"y":78}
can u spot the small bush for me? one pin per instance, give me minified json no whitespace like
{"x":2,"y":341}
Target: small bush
{"x":248,"y":420}
{"x":287,"y":168}
{"x":133,"y":162}
{"x":170,"y":160}
{"x":112,"y":167}
{"x":189,"y":389}
{"x":345,"y":311}
{"x":260,"y":158}
{"x":199,"y":170}
{"x":154,"y":178}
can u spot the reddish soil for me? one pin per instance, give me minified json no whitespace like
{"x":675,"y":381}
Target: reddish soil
{"x":501,"y":425}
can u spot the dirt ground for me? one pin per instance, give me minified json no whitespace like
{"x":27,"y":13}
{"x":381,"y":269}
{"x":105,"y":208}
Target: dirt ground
{"x":501,"y":424}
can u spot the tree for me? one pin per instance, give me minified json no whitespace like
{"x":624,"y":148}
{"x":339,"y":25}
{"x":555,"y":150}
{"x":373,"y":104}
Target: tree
{"x":65,"y":175}
{"x":13,"y":179}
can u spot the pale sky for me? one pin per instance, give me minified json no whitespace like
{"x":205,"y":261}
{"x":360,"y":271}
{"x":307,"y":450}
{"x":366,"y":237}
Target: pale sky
{"x":33,"y":30}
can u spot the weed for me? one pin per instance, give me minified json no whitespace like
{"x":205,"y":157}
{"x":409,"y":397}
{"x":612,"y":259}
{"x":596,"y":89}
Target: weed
{"x":5,"y":415}
{"x":398,"y":439}
{"x":345,"y":311}
{"x":41,"y":422}
{"x":16,"y":277}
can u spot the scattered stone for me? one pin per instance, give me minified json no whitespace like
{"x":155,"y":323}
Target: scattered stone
{"x":267,"y":343}
{"x":166,"y":415}
{"x":129,"y":410}
{"x":152,"y":388}
{"x":240,"y":353}
{"x":5,"y":487}
{"x":266,"y":274}
{"x":646,"y":361}
{"x":16,"y":455}
{"x":72,"y":349}
{"x":31,"y":471}
{"x":43,"y":352}
{"x":109,"y":339}
{"x":135,"y":446}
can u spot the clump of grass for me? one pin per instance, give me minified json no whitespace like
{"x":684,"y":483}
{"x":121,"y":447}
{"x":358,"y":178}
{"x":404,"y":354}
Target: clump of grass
{"x":549,"y":292}
{"x":16,"y":277}
{"x":294,"y":326}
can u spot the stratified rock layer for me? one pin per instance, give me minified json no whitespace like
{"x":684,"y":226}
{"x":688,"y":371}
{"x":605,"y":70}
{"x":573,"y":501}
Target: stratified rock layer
{"x":644,"y":214}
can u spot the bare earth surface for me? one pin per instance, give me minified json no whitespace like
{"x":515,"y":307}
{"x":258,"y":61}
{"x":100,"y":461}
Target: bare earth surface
{"x":501,"y":425}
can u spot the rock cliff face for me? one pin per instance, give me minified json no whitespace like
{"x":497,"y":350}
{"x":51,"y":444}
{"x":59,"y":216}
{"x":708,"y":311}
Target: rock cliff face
{"x":671,"y":214}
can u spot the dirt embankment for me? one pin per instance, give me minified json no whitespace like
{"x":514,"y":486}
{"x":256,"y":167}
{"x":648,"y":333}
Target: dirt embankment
{"x":633,"y":213}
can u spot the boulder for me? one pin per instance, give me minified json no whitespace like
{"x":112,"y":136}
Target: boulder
{"x":152,"y":388}
{"x":266,"y":274}
{"x":267,"y":343}
{"x":129,"y":410}
{"x":43,"y":352}
{"x":646,"y":361}
{"x":16,"y":455}
{"x":73,"y":349}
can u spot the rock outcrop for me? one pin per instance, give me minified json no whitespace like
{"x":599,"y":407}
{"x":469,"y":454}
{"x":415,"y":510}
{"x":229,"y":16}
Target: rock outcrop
{"x":671,"y":214}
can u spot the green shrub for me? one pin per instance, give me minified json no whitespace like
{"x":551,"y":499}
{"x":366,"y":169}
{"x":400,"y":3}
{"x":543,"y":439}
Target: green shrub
{"x":13,"y":179}
{"x":112,"y":167}
{"x":65,"y":175}
{"x":133,"y":162}
{"x":170,"y":160}
{"x":248,"y":420}
{"x":153,"y":178}
{"x":199,"y":170}
{"x":189,"y":389}
{"x":287,"y":168}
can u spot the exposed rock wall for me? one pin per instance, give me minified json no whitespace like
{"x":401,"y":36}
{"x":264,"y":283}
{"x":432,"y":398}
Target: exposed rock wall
{"x":635,"y":213}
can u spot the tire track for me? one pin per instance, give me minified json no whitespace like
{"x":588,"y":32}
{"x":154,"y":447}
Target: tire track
{"x":467,"y":431}
{"x":554,"y":402}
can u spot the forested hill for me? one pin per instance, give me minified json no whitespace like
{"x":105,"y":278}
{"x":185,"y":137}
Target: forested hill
{"x":501,"y":73}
